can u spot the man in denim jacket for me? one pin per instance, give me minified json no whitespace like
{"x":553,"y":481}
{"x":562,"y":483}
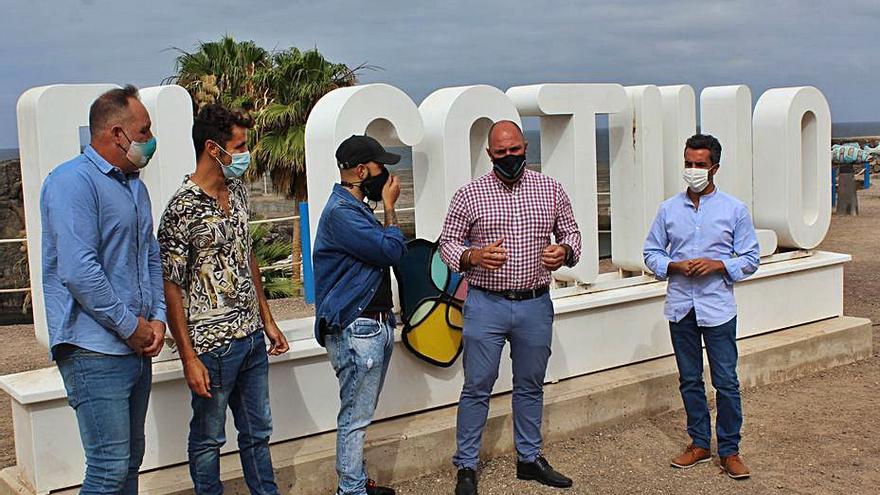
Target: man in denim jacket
{"x":354,"y":319}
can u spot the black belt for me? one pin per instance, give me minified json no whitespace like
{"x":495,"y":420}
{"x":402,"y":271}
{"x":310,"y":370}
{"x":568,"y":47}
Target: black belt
{"x":516,"y":295}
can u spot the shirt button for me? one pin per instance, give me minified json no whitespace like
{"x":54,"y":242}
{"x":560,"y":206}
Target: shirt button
{"x":360,"y":309}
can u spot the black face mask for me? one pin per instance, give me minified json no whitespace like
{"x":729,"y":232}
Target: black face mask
{"x":372,"y":186}
{"x":510,"y":167}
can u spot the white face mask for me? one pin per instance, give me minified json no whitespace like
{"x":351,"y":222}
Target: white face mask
{"x":696,"y":178}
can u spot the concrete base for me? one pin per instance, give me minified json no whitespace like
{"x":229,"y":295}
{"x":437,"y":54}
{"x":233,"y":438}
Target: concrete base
{"x":412,"y":445}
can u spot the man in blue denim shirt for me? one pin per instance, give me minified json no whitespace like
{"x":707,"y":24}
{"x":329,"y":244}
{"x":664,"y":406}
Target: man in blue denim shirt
{"x":354,"y":319}
{"x":703,"y":241}
{"x":102,"y":283}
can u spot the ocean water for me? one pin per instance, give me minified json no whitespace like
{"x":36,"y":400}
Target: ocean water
{"x":533,"y":152}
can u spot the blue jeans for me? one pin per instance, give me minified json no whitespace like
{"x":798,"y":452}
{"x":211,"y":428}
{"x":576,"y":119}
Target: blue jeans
{"x":110,"y":395}
{"x":359,"y":354}
{"x":489,"y":321}
{"x":239,"y":374}
{"x":722,"y":352}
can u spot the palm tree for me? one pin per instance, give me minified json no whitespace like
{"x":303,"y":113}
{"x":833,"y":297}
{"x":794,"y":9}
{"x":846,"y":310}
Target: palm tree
{"x":297,"y":81}
{"x":278,"y":90}
{"x":226,"y":72}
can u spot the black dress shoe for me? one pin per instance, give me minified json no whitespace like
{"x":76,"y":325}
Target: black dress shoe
{"x":374,"y":489}
{"x":542,"y":472}
{"x":467,"y":482}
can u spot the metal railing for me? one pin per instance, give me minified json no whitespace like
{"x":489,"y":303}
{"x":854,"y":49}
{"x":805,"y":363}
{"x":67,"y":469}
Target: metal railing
{"x":288,"y":265}
{"x":285,"y":265}
{"x":19,"y":290}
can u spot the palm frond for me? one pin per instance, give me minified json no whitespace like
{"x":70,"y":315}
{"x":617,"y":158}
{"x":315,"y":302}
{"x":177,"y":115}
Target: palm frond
{"x":279,"y":89}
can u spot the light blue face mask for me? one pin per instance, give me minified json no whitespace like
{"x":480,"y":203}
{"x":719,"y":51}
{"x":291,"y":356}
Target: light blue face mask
{"x":238,"y":166}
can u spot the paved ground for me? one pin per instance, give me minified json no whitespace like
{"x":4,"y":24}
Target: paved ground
{"x":820,"y":434}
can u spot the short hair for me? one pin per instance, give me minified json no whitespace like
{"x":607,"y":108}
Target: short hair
{"x":109,"y":107}
{"x":215,"y":122}
{"x":705,"y":142}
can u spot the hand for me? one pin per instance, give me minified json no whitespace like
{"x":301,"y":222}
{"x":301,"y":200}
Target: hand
{"x":491,"y":257}
{"x":278,"y":343}
{"x":701,"y":267}
{"x":391,"y":191}
{"x":158,"y":338}
{"x":143,"y":336}
{"x":679,"y":267}
{"x":553,"y":257}
{"x":197,"y":377}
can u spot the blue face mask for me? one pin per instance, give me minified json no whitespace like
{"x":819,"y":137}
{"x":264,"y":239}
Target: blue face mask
{"x":238,"y":166}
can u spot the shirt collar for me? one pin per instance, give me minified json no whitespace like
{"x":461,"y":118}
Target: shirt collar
{"x":703,"y":199}
{"x":103,"y":165}
{"x":516,"y":185}
{"x":190,"y":185}
{"x":346,"y":196}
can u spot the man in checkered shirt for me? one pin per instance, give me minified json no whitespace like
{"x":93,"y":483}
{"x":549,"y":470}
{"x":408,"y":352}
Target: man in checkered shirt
{"x":498,"y":233}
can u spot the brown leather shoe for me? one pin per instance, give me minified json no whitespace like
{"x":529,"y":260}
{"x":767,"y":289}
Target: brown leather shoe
{"x":691,"y":456}
{"x":734,"y":467}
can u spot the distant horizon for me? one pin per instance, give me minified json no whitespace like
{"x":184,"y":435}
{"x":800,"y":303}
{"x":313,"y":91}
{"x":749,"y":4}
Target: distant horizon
{"x":839,"y":130}
{"x":455,"y":43}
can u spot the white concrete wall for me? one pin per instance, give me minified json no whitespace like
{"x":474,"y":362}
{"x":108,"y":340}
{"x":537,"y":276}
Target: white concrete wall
{"x":595,"y":328}
{"x":592,"y":332}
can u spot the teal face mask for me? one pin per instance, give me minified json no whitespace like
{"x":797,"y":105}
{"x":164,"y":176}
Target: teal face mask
{"x":140,"y":154}
{"x":238,"y":166}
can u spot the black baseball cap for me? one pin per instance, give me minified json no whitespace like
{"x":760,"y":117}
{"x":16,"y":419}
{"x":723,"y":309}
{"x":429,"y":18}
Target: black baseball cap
{"x":362,"y":149}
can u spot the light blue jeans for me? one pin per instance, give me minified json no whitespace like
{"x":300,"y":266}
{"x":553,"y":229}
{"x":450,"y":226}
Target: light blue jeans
{"x":360,"y":354}
{"x":239,"y":374}
{"x":490,"y":321}
{"x":110,"y":395}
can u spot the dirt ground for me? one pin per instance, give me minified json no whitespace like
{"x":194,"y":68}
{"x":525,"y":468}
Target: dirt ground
{"x":814,"y":435}
{"x":818,"y":435}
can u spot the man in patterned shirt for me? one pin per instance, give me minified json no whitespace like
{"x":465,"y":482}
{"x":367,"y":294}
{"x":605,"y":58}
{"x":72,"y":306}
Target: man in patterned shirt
{"x":217,"y":310}
{"x":497,"y":232}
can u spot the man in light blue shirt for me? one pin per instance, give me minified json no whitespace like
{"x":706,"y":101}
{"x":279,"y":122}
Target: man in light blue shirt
{"x":102,"y":283}
{"x":703,"y":241}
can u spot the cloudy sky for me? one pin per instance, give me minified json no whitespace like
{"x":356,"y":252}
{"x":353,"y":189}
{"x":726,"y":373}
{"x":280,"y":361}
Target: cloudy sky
{"x":762,"y":43}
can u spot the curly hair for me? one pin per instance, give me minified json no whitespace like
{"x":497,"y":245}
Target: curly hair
{"x":214,"y":123}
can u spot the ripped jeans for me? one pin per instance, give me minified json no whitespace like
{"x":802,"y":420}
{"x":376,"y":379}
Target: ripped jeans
{"x":360,"y":354}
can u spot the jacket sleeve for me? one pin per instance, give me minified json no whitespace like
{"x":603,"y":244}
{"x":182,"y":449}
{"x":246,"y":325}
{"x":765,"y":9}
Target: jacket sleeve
{"x":364,"y":238}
